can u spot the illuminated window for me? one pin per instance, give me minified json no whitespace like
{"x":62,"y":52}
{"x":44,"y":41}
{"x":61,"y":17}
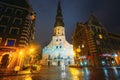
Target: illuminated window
{"x":100,"y":36}
{"x":10,"y":42}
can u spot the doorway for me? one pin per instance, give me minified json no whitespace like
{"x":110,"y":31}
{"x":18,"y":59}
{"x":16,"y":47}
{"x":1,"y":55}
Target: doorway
{"x":5,"y":61}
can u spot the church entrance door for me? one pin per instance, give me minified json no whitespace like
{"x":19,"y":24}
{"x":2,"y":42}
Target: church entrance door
{"x":58,"y":63}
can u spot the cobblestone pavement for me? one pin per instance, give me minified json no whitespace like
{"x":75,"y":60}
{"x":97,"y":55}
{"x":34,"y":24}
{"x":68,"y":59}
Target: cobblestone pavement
{"x":58,"y":73}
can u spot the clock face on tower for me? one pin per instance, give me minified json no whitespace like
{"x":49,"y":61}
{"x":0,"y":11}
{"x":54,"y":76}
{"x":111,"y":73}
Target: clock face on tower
{"x":59,"y":31}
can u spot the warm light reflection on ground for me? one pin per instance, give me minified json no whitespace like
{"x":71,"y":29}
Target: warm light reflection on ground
{"x":56,"y":73}
{"x":28,"y":77}
{"x":76,"y":74}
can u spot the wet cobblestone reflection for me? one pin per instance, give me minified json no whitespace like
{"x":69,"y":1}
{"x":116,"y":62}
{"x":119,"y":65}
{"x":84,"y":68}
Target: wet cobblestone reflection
{"x":56,"y":73}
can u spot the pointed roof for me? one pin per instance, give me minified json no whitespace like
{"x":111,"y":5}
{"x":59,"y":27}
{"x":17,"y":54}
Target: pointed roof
{"x":94,"y":20}
{"x":59,"y":17}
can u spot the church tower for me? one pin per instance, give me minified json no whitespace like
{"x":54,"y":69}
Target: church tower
{"x":58,"y":51}
{"x":59,"y":25}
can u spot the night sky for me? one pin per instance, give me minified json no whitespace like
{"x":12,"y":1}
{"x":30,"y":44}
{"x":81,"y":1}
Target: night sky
{"x":107,"y":11}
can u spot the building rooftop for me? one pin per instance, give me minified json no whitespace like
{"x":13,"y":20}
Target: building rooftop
{"x":21,"y":3}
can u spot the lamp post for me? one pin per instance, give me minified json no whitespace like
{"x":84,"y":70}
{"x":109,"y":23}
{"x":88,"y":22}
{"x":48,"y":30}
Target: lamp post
{"x":31,"y":55}
{"x":31,"y":58}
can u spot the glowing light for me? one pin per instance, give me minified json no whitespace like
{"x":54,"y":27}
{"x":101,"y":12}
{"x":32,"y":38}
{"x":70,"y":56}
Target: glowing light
{"x":105,"y":71}
{"x":31,"y":50}
{"x":32,"y":17}
{"x":17,"y":68}
{"x":74,"y":54}
{"x":78,"y":50}
{"x":83,"y":57}
{"x":106,"y":55}
{"x":13,"y":61}
{"x":85,"y":63}
{"x":74,"y":71}
{"x":113,"y":62}
{"x":115,"y":55}
{"x":87,"y":71}
{"x":83,"y":46}
{"x":115,"y":70}
{"x":103,"y":62}
{"x":20,"y":52}
{"x":100,"y":36}
{"x":28,"y":78}
{"x":81,"y":63}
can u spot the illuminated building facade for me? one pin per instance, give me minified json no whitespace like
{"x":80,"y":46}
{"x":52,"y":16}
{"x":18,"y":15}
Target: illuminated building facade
{"x":96,"y":45}
{"x":17,"y":23}
{"x":58,"y":51}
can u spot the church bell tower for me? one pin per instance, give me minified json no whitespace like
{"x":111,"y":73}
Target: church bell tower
{"x":59,"y":29}
{"x":58,"y":51}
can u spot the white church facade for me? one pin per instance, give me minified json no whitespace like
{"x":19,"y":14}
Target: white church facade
{"x":58,"y":51}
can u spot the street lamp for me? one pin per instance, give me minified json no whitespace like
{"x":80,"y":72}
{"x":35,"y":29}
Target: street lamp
{"x":31,"y":50}
{"x":20,"y":52}
{"x":31,"y":58}
{"x":78,"y":49}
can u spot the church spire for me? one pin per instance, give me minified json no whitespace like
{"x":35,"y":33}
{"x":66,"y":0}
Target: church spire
{"x":59,"y":17}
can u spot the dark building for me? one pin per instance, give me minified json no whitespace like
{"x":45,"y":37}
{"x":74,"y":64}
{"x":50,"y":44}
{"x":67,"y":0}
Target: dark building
{"x":17,"y":23}
{"x":94,"y":45}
